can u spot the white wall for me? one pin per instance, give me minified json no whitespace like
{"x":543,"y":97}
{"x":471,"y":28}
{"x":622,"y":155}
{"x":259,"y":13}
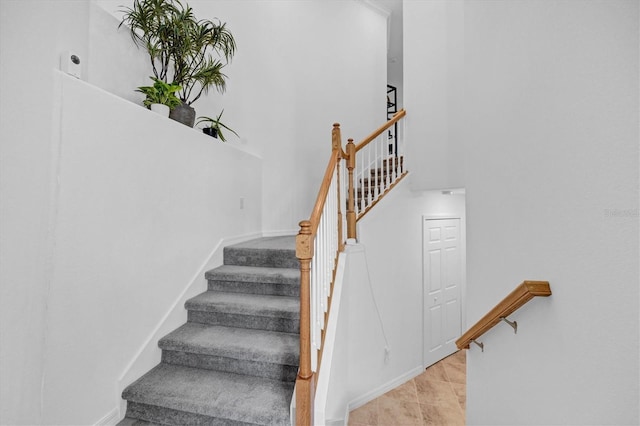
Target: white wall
{"x":284,"y":94}
{"x":392,"y":238}
{"x":113,"y":62}
{"x":433,"y":92}
{"x":27,"y":58}
{"x":299,"y":68}
{"x":138,"y":216}
{"x":550,"y":165}
{"x":382,"y":297}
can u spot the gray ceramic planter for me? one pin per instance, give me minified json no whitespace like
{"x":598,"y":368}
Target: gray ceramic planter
{"x":184,"y":114}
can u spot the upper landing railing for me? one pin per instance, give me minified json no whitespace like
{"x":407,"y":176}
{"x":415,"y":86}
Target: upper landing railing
{"x":378,"y":166}
{"x":357,"y":178}
{"x":518,"y":297}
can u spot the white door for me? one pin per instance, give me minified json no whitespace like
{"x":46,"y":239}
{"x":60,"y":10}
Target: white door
{"x":442,"y":276}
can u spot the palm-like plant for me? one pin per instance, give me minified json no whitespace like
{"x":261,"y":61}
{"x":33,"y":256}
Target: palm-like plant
{"x":176,"y":41}
{"x":151,"y":24}
{"x":198,"y":54}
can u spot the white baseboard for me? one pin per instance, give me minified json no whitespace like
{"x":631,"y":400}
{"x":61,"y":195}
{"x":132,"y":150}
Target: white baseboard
{"x":370,"y":396}
{"x":381,"y":390}
{"x":111,"y":419}
{"x":149,"y":353}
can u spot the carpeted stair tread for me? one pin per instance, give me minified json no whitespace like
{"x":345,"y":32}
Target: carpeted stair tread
{"x":276,"y":252}
{"x":215,"y":394}
{"x":127,"y":421}
{"x":255,"y":274}
{"x":286,"y":242}
{"x":232,"y":342}
{"x":245,"y":304}
{"x":255,"y":280}
{"x":234,"y":363}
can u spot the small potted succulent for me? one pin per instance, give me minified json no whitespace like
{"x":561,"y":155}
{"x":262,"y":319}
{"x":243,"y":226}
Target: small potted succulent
{"x":214,"y":127}
{"x":161,"y":97}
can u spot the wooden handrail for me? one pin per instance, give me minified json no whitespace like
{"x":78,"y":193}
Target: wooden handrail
{"x":396,"y":117}
{"x":518,"y":297}
{"x":324,"y":191}
{"x":306,"y":380}
{"x":318,"y":245}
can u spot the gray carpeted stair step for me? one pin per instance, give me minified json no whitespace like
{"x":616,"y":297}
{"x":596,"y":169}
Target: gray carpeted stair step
{"x":256,"y":280}
{"x":260,"y":353}
{"x":274,"y":252}
{"x":263,"y":312}
{"x":178,"y":395}
{"x":236,"y":360}
{"x":128,"y":421}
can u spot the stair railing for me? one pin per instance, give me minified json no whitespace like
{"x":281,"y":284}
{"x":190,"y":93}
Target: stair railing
{"x":514,"y":300}
{"x":378,"y":166}
{"x":321,"y":239}
{"x":318,"y":244}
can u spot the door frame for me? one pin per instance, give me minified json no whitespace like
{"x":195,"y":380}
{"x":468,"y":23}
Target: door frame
{"x":463,"y":273}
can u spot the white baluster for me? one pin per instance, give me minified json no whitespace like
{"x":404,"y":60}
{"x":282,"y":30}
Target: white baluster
{"x":387,"y":162}
{"x":368,"y":174}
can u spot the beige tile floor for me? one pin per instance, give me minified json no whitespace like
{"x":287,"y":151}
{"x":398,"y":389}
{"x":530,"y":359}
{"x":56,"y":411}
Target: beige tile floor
{"x":435,"y":397}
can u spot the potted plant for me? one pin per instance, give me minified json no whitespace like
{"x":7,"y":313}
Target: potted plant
{"x":214,"y":127}
{"x":160,"y":97}
{"x":189,"y":52}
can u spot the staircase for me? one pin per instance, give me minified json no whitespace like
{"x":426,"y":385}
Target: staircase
{"x":369,"y":188}
{"x":236,"y":359}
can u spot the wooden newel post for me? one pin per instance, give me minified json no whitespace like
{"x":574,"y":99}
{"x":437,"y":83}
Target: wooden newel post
{"x":351,"y":195}
{"x":305,"y":387}
{"x":336,"y":139}
{"x":336,"y":144}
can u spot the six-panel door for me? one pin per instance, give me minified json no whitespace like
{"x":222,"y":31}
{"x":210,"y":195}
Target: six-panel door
{"x":442,"y":275}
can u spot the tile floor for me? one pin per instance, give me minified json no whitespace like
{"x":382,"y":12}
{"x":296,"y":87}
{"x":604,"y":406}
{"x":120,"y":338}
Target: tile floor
{"x":435,"y":397}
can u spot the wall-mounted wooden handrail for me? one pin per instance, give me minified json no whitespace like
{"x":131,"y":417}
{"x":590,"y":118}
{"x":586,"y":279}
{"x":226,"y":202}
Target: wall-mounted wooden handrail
{"x":396,"y":117}
{"x":518,"y":297}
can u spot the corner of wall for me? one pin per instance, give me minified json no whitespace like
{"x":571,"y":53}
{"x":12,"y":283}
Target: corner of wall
{"x":324,"y":404}
{"x":359,"y":346}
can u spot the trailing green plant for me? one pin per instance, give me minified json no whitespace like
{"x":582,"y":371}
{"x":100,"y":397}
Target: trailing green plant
{"x":160,"y":93}
{"x":182,"y":49}
{"x":217,"y":125}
